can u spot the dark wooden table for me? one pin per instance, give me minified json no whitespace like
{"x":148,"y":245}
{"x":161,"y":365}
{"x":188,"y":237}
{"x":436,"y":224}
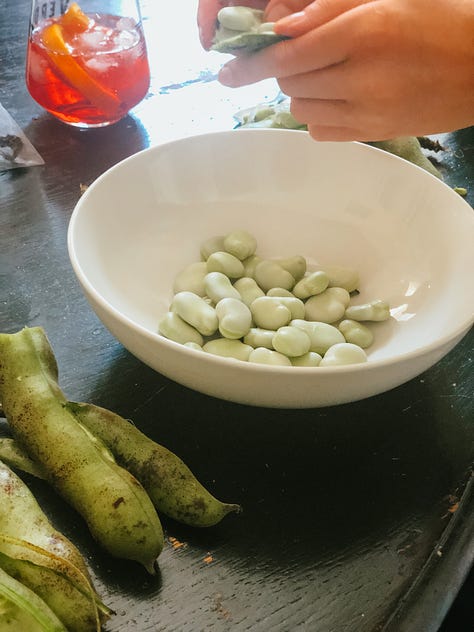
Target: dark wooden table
{"x":356,"y":518}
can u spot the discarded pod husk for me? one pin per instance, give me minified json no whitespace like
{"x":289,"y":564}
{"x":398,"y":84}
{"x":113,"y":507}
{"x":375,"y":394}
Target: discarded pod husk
{"x":23,"y":609}
{"x":62,"y":586}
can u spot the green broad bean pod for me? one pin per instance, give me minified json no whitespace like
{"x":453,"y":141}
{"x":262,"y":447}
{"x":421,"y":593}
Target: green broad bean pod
{"x":14,"y":456}
{"x":26,"y":611}
{"x":55,"y":580}
{"x":171,"y":485}
{"x":114,"y":505}
{"x":22,"y":517}
{"x":45,"y":560}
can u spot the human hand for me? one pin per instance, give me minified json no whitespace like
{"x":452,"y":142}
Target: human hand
{"x":207,"y":15}
{"x":370,"y":69}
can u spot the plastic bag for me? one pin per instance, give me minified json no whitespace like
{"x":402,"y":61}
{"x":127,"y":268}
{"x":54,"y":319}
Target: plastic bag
{"x":15,"y":149}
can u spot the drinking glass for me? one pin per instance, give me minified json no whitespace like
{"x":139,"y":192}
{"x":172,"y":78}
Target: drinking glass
{"x":87,"y":61}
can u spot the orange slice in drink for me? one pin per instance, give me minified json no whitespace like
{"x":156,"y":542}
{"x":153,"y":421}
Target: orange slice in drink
{"x":59,"y":55}
{"x":75,"y":20}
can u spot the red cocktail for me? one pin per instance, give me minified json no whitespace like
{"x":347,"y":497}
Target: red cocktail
{"x":88,"y":70}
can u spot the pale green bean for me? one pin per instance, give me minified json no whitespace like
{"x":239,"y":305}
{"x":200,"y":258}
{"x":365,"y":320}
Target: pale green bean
{"x":261,"y":355}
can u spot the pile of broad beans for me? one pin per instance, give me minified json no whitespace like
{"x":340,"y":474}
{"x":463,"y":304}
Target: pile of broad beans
{"x":235,"y":304}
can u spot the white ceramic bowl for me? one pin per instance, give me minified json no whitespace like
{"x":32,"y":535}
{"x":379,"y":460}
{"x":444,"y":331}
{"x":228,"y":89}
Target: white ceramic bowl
{"x":408,"y":234}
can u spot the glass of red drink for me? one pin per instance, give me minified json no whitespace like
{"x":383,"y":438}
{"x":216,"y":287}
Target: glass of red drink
{"x":87,"y":61}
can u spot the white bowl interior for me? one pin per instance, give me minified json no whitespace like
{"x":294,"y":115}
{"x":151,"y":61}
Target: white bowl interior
{"x":407,"y":234}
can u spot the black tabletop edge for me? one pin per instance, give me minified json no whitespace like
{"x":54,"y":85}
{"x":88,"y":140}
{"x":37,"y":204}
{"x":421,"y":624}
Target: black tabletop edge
{"x":429,"y":598}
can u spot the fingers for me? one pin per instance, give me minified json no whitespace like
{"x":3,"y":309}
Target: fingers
{"x":314,"y":50}
{"x":323,"y":112}
{"x":333,"y":83}
{"x":277,"y":9}
{"x":313,"y":15}
{"x":334,"y":133}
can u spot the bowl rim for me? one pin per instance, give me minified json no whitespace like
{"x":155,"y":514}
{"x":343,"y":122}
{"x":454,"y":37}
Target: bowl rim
{"x":369,"y":366}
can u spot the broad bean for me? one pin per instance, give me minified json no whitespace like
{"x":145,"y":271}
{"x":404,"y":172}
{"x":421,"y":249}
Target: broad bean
{"x":322,"y":335}
{"x":193,"y":345}
{"x":343,"y":353}
{"x":248,"y":290}
{"x":250,"y":264}
{"x":270,"y":313}
{"x":325,"y":307}
{"x":175,"y":328}
{"x":240,"y":243}
{"x":340,"y":276}
{"x":308,"y":359}
{"x":239,"y":18}
{"x":377,"y":310}
{"x":280,"y":291}
{"x":262,"y":355}
{"x":219,"y":286}
{"x":235,"y":318}
{"x":226,"y":263}
{"x":313,"y":283}
{"x":258,"y":337}
{"x":291,"y":341}
{"x":191,"y":279}
{"x":295,"y":265}
{"x":211,"y":245}
{"x":357,"y":333}
{"x":270,"y":274}
{"x":295,"y":305}
{"x":196,"y":312}
{"x":228,"y":348}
